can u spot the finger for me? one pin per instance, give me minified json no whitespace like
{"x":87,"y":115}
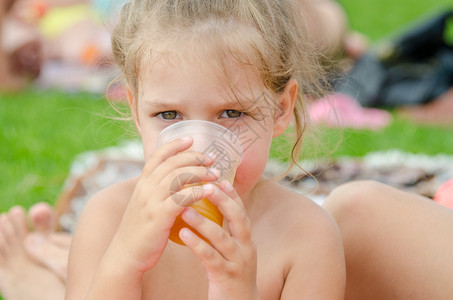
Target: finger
{"x":186,"y":197}
{"x":208,"y":256}
{"x":175,"y":181}
{"x":216,"y":235}
{"x":180,"y":160}
{"x":181,"y":178}
{"x":228,"y":188}
{"x":175,"y":204}
{"x":235,"y":215}
{"x":184,"y":159}
{"x":166,"y":151}
{"x":181,"y":191}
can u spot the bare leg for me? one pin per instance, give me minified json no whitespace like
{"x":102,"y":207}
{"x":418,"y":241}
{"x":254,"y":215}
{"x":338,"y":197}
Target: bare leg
{"x":397,"y":245}
{"x":20,"y":277}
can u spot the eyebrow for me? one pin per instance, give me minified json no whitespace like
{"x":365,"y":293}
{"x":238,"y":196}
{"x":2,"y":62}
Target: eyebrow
{"x":171,"y":104}
{"x":161,"y":103}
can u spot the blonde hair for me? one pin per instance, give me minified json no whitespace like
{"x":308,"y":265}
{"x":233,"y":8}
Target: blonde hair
{"x":267,"y":35}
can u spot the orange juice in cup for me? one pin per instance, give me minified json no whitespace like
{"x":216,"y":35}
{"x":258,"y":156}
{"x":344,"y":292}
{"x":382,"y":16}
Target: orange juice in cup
{"x":208,"y":138}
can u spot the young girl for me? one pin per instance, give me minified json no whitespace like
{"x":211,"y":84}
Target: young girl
{"x":241,"y":64}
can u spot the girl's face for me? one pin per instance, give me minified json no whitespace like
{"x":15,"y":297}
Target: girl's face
{"x":177,"y":90}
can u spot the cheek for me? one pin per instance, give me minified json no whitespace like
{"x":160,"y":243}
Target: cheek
{"x":252,"y":167}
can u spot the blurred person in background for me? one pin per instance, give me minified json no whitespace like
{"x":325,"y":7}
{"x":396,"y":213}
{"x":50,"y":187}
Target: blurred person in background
{"x":34,"y":32}
{"x":76,"y":32}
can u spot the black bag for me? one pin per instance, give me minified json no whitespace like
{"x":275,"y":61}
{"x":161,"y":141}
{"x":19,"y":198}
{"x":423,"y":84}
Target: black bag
{"x":413,"y":69}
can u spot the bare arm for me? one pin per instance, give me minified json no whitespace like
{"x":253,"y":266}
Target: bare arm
{"x":96,"y":227}
{"x":318,"y":269}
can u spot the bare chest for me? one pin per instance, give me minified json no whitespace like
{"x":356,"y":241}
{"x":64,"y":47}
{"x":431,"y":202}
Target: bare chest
{"x":180,"y":275}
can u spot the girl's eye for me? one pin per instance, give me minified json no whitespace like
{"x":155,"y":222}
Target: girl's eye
{"x":230,"y":113}
{"x":168,"y":115}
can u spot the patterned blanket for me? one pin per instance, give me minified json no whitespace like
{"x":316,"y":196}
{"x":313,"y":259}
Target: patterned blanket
{"x":422,"y":174}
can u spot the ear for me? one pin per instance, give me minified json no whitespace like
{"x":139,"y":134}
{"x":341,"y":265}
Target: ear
{"x":133,"y":107}
{"x":285,"y":109}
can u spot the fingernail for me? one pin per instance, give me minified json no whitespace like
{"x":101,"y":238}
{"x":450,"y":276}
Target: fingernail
{"x":214,"y":171}
{"x":190,"y":214}
{"x":186,"y":139}
{"x":211,"y":155}
{"x":208,"y":188}
{"x":185,"y":234}
{"x":228,"y":186}
{"x":207,"y":160}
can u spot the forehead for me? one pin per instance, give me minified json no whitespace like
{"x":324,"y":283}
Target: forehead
{"x":213,"y":46}
{"x":173,"y":67}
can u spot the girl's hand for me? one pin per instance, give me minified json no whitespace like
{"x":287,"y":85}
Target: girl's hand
{"x":230,"y":258}
{"x":144,"y":229}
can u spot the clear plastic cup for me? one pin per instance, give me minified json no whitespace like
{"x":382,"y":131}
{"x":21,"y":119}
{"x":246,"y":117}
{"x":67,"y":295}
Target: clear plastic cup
{"x":211,"y":139}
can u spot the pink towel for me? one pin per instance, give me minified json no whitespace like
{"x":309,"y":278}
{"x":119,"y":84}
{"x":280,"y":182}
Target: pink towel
{"x":444,"y":194}
{"x":340,"y":110}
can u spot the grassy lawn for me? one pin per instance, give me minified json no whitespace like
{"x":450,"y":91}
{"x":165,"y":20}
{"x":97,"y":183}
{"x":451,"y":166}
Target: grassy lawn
{"x":41,"y":134}
{"x":382,"y":18}
{"x":400,"y":134}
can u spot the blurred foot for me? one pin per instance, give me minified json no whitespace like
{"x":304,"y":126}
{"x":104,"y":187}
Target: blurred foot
{"x":50,"y":251}
{"x":44,"y":245}
{"x":20,"y":277}
{"x":436,"y":112}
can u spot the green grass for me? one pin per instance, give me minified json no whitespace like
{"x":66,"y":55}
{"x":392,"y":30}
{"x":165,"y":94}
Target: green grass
{"x":379,"y":19}
{"x":41,"y":134}
{"x":401,"y":134}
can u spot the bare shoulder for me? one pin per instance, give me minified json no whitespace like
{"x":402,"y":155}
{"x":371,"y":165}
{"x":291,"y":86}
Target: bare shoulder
{"x":103,"y":212}
{"x":116,"y":196}
{"x":110,"y":201}
{"x":296,"y":212}
{"x":101,"y":217}
{"x":311,"y":249}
